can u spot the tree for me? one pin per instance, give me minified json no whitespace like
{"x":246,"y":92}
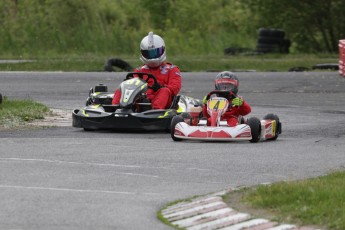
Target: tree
{"x":312,"y":25}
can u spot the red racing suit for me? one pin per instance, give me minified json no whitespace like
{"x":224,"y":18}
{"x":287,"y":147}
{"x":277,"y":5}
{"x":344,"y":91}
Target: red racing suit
{"x":232,"y":114}
{"x":168,"y":76}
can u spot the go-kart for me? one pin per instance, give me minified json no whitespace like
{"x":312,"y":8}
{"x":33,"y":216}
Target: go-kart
{"x":192,"y":126}
{"x":134,"y":111}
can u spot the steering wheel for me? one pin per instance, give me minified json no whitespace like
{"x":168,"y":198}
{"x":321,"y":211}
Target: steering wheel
{"x":141,"y":76}
{"x":232,"y":95}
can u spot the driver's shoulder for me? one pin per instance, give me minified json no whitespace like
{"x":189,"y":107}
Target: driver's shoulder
{"x":170,"y":65}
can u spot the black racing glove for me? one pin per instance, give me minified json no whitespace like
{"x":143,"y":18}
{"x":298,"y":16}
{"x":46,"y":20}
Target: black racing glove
{"x":156,"y":86}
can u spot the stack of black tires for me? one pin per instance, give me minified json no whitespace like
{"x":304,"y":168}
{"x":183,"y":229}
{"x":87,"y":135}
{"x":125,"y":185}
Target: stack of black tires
{"x":272,"y":41}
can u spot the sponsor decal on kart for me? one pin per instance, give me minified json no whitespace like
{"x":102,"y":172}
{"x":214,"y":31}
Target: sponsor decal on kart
{"x":201,"y":132}
{"x":166,"y":114}
{"x":270,"y":128}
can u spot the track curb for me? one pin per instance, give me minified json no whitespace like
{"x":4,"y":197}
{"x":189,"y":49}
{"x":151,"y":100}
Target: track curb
{"x":211,"y":212}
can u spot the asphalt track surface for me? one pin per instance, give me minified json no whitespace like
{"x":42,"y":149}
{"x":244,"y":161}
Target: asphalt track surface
{"x":65,"y":178}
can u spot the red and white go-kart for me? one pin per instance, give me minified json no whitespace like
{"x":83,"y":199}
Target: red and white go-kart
{"x":192,"y":126}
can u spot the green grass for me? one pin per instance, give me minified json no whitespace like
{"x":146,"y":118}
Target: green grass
{"x":92,"y":62}
{"x":257,"y":63}
{"x":318,"y":201}
{"x":15,"y":113}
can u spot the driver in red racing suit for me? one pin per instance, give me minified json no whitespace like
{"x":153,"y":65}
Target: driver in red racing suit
{"x":168,"y":76}
{"x":229,"y":82}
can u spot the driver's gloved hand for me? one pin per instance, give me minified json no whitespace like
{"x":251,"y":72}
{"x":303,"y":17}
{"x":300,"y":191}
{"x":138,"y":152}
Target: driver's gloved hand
{"x":156,"y":86}
{"x":204,"y":100}
{"x":237,"y":101}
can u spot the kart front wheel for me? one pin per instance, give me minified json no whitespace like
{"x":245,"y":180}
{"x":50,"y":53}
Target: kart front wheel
{"x":174,"y":121}
{"x":255,"y":129}
{"x":278,"y":129}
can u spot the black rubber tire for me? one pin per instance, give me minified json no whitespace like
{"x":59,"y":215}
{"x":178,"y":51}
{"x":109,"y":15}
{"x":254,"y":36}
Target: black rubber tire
{"x":101,"y":88}
{"x":270,"y":40}
{"x":328,"y":66}
{"x":0,"y":98}
{"x":277,"y":33}
{"x":267,"y":48}
{"x":108,"y":67}
{"x":298,"y":69}
{"x":282,"y":47}
{"x":272,"y":116}
{"x":89,"y":130}
{"x":186,"y":118}
{"x":255,"y":129}
{"x":174,"y":121}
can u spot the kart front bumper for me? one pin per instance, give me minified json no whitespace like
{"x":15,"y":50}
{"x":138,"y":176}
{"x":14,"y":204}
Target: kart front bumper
{"x":146,"y":121}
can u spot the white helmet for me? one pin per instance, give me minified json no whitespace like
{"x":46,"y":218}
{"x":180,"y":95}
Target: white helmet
{"x":152,"y":49}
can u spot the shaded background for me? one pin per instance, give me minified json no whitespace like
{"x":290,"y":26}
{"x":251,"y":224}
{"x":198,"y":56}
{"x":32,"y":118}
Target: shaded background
{"x":194,"y":27}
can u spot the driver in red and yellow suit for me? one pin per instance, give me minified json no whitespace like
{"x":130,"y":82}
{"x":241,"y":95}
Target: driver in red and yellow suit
{"x":237,"y":107}
{"x":169,"y":84}
{"x":229,"y":83}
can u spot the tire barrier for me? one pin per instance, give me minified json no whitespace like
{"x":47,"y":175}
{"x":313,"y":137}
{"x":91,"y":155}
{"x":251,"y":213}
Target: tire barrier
{"x":342,"y":57}
{"x":298,"y":69}
{"x":108,"y":67}
{"x":327,"y":66}
{"x":236,"y":50}
{"x":272,"y":41}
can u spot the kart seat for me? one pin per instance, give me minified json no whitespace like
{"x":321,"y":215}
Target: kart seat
{"x":143,"y":106}
{"x":110,"y":108}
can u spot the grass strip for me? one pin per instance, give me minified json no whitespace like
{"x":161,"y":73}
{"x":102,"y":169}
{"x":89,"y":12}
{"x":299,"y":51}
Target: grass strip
{"x":14,"y":113}
{"x":318,"y":201}
{"x":95,"y":63}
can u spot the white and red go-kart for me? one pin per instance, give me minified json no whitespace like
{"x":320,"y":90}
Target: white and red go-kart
{"x":191,"y":127}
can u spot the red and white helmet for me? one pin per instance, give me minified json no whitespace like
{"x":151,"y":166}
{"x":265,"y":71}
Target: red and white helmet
{"x":228,"y":81}
{"x":152,"y":49}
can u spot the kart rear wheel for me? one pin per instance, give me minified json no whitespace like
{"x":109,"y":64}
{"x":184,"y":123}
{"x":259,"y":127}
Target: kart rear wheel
{"x":255,"y":129}
{"x":272,"y":116}
{"x":89,"y":130}
{"x":174,"y":121}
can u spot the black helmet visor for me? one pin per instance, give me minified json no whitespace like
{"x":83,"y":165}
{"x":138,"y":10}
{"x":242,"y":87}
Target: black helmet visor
{"x":153,"y":53}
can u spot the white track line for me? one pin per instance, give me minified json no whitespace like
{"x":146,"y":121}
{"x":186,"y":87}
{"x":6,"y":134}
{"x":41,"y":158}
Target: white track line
{"x":74,"y":190}
{"x":96,"y":164}
{"x":82,"y":163}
